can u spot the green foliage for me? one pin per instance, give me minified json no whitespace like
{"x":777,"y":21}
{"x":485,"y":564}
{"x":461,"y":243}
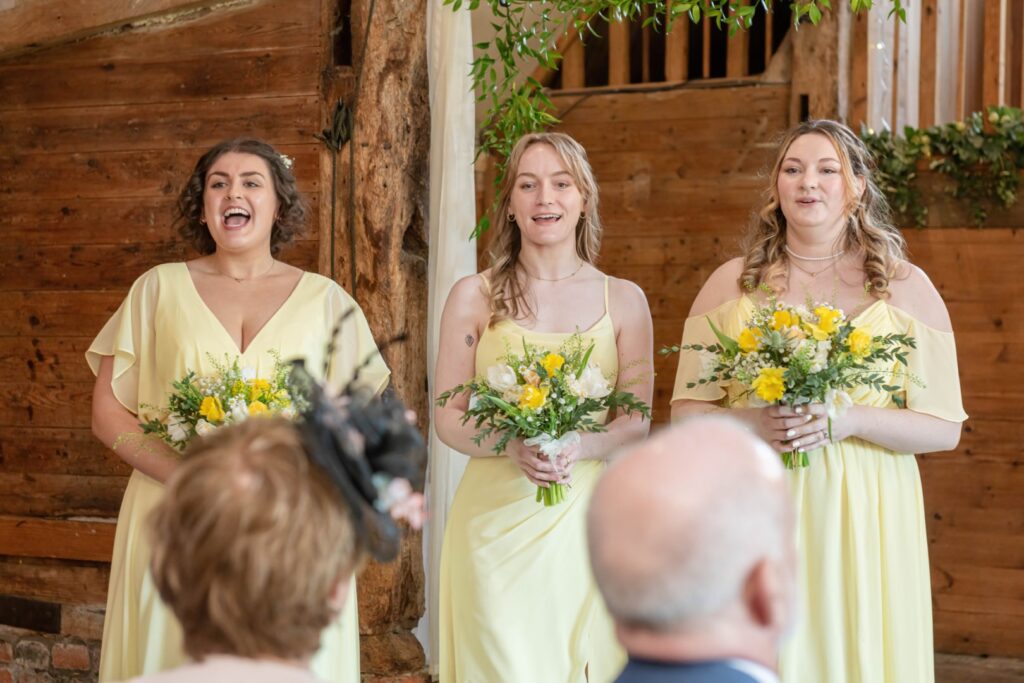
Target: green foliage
{"x":982,"y":157}
{"x":527,"y":32}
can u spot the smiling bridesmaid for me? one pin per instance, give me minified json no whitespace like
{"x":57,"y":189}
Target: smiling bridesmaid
{"x":236,"y":300}
{"x":518,"y":602}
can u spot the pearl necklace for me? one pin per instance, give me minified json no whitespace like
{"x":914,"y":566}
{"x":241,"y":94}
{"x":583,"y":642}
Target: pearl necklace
{"x":832,"y":257}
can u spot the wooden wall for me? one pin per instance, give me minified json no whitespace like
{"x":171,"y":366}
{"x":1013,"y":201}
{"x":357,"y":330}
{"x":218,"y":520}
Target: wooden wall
{"x":680,"y":172}
{"x":97,"y":137}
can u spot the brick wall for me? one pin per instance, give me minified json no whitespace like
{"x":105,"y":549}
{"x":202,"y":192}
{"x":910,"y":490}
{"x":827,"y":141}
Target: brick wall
{"x":32,"y":657}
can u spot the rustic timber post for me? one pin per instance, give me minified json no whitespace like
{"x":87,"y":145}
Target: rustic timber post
{"x":384,"y":216}
{"x":821,"y":67}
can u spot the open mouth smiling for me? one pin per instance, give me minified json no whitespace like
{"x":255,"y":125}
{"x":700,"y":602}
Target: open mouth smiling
{"x":236,"y":217}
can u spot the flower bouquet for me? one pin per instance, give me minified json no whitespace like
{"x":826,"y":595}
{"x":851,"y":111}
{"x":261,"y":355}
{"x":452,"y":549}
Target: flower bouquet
{"x":795,"y":355}
{"x":546,"y":399}
{"x":200,"y":404}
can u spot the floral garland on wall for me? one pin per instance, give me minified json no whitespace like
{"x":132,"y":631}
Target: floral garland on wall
{"x":982,"y":156}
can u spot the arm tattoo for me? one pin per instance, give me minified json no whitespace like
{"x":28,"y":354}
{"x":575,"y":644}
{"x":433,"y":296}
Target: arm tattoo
{"x":470,"y":340}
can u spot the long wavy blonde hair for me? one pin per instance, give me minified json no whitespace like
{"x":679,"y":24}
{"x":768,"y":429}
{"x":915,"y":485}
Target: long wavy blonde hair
{"x":507,"y":294}
{"x":869,"y":229}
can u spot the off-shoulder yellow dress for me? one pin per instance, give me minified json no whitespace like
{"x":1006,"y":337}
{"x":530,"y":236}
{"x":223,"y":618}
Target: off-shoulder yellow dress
{"x":518,"y":601}
{"x":864,"y":612}
{"x":162,"y":330}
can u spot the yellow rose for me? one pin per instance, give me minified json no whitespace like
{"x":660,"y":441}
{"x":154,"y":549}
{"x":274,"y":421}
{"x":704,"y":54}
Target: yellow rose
{"x":552,"y":362}
{"x":257,"y":387}
{"x":532,"y":398}
{"x":859,"y":342}
{"x":211,"y":409}
{"x":817,"y":332}
{"x":748,"y":340}
{"x":769,"y":384}
{"x":258,"y":408}
{"x":782,"y":319}
{"x":827,"y":318}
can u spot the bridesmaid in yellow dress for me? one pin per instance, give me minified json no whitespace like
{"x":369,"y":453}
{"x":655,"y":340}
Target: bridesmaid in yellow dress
{"x":824,"y":234}
{"x":517,"y":600}
{"x":240,"y":205}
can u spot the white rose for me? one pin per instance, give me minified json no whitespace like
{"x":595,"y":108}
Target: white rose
{"x":239,"y":411}
{"x":203,"y":428}
{"x":590,"y":383}
{"x":248,"y":373}
{"x":821,"y":356}
{"x":288,"y":412}
{"x":501,"y":377}
{"x":176,"y":428}
{"x":836,"y":402}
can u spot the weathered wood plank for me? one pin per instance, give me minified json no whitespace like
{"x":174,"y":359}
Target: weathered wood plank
{"x":235,"y":78}
{"x":573,"y":68}
{"x":87,"y":267}
{"x":680,"y":104}
{"x":121,"y":174}
{"x":32,"y":450}
{"x":55,"y":580}
{"x":60,"y":540}
{"x":25,"y":359}
{"x":929,"y":62}
{"x":737,"y":54}
{"x":33,"y":404}
{"x":40,"y":23}
{"x":618,"y":52}
{"x":677,"y":48}
{"x":978,"y":633}
{"x":993,"y":66}
{"x":289,"y":120}
{"x":56,"y":314}
{"x":988,"y":485}
{"x":105,"y":220}
{"x":60,"y":495}
{"x":724,"y":142}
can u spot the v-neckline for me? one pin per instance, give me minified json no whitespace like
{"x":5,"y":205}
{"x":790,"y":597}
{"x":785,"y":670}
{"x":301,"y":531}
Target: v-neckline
{"x":859,"y":314}
{"x":220,"y":324}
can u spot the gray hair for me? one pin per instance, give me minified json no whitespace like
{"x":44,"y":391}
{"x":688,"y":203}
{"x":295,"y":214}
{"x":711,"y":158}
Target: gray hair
{"x":695,"y":564}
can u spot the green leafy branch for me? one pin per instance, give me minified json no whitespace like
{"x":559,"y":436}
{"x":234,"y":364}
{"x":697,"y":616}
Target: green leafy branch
{"x":527,"y":34}
{"x":983,"y":157}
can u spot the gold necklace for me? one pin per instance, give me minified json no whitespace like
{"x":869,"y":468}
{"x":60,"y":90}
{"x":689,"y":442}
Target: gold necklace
{"x":553,"y":279}
{"x":814,"y":274}
{"x":240,"y":280}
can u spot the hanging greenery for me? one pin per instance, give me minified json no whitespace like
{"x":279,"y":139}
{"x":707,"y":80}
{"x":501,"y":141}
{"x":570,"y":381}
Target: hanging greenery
{"x":982,"y":156}
{"x":526,"y":36}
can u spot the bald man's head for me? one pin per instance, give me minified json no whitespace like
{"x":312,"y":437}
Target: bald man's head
{"x":677,"y":524}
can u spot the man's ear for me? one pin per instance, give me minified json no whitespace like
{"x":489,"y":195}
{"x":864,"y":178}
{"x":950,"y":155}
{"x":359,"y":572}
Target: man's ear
{"x":339,"y":594}
{"x":764,"y":594}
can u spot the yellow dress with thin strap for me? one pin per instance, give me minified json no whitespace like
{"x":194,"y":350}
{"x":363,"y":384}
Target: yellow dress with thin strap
{"x":518,"y":601}
{"x":864,"y":612}
{"x":162,"y":330}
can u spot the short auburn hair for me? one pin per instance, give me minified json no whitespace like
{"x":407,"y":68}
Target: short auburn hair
{"x":249,"y":542}
{"x":291,"y":206}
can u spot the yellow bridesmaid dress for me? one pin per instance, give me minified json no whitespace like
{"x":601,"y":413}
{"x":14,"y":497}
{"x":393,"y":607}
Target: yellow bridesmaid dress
{"x":162,"y":330}
{"x":518,"y":601}
{"x":864,"y":605}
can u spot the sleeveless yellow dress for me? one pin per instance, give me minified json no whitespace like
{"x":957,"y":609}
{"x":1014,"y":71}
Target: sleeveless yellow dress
{"x":864,"y":597}
{"x":162,"y":330}
{"x":517,"y":599}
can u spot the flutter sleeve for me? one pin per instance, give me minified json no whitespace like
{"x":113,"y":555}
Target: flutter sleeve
{"x":933,"y":364}
{"x":697,"y":330}
{"x":126,"y":336}
{"x":354,"y":346}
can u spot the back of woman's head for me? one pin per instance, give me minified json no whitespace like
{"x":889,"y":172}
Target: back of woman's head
{"x":507,"y":295}
{"x":868,"y":227}
{"x":250,"y":542}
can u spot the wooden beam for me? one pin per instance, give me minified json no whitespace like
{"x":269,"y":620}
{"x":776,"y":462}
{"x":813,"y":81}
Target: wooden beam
{"x":573,"y":66}
{"x":705,"y":69}
{"x":565,"y":43}
{"x":56,"y":539}
{"x":35,"y":24}
{"x":677,"y":50}
{"x":618,"y":52}
{"x":993,"y":65}
{"x":929,"y":62}
{"x":736,"y":61}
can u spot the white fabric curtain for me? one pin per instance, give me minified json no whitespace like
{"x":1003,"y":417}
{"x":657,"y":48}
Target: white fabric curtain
{"x":452,"y":256}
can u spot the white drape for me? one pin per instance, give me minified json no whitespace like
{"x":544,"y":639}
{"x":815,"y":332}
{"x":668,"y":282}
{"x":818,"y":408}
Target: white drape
{"x":452,"y":255}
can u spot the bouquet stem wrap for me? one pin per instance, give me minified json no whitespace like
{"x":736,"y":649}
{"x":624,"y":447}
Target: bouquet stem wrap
{"x":551,"y":447}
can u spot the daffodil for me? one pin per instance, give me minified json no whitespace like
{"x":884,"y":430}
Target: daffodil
{"x":532,"y":398}
{"x":257,"y":387}
{"x":212,"y":409}
{"x":748,"y":340}
{"x":859,"y":342}
{"x":827,"y":318}
{"x":769,"y":385}
{"x":781,"y":319}
{"x":552,"y":362}
{"x":258,"y":408}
